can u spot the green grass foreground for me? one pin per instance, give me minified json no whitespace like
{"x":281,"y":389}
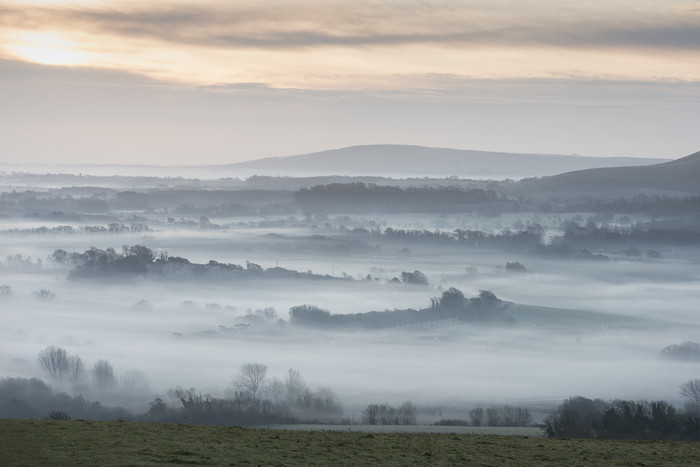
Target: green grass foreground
{"x":74,"y":443}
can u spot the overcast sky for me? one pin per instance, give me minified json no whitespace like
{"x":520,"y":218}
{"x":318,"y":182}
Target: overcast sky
{"x":215,"y":82}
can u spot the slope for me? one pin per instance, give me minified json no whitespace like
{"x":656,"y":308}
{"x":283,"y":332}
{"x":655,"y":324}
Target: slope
{"x":677,"y":177}
{"x":419,"y":161}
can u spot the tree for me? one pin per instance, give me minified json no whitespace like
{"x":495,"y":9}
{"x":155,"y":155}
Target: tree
{"x":508,"y":414}
{"x":523,"y":417}
{"x":44,"y":294}
{"x":493,"y":416}
{"x":516,"y":266}
{"x":191,"y":399}
{"x":476,"y":416}
{"x":59,"y":257}
{"x":576,"y":417}
{"x":134,"y":382}
{"x":275,"y":390}
{"x":369,"y":415}
{"x":54,"y":360}
{"x":103,"y":375}
{"x":294,"y":386}
{"x":415,"y":278}
{"x":309,"y":315}
{"x":141,"y":253}
{"x":451,"y":298}
{"x":406,"y":413}
{"x":326,"y":402}
{"x":487,"y":296}
{"x":691,"y":391}
{"x":250,"y":378}
{"x":76,"y":368}
{"x":515,"y":416}
{"x":158,"y":409}
{"x":387,"y":415}
{"x":687,"y":350}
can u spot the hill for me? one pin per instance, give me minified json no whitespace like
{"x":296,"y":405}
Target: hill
{"x":419,"y":161}
{"x":80,"y":442}
{"x":680,"y":176}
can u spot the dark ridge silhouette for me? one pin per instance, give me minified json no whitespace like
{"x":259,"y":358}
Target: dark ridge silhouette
{"x":680,"y":176}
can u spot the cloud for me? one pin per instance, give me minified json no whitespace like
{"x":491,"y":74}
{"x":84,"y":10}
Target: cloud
{"x":162,"y":78}
{"x":279,"y":25}
{"x":363,"y":45}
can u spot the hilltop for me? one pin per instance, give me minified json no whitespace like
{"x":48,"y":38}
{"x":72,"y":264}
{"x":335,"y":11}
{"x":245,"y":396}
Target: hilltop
{"x":677,"y":177}
{"x":407,"y":161}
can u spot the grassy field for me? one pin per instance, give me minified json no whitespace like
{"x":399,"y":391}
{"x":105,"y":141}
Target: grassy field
{"x":75,"y":443}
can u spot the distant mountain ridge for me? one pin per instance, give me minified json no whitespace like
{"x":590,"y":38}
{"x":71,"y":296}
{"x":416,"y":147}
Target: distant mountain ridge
{"x":401,"y":161}
{"x":674,"y":177}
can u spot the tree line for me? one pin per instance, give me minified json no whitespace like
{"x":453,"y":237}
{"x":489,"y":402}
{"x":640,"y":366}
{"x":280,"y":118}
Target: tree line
{"x":581,"y":417}
{"x":113,"y":227}
{"x":361,"y":196}
{"x":452,"y":305}
{"x":532,"y":240}
{"x":139,"y":260}
{"x":253,"y":397}
{"x":505,"y":415}
{"x":385,"y":414}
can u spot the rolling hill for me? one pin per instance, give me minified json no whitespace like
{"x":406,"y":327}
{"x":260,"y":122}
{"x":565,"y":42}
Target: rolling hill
{"x":419,"y":161}
{"x":680,"y":176}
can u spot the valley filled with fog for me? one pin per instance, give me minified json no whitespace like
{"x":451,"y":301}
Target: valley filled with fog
{"x":499,"y":296}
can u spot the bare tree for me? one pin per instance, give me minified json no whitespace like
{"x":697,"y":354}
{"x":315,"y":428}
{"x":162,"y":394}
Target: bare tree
{"x":103,"y":375}
{"x":294,"y":386}
{"x":493,"y":416}
{"x":406,"y":413}
{"x":476,"y":416}
{"x":387,"y":415}
{"x":691,"y":391}
{"x":508,"y":415}
{"x":250,"y":378}
{"x":275,"y":390}
{"x":523,"y":417}
{"x":191,"y":399}
{"x":369,"y":415}
{"x":44,"y":294}
{"x":76,"y":368}
{"x":54,"y":360}
{"x":134,"y":382}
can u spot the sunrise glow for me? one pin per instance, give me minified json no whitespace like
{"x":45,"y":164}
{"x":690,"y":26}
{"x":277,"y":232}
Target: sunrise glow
{"x":48,"y":49}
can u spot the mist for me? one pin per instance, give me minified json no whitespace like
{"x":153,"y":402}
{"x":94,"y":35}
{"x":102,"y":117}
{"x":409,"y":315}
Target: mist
{"x":592,"y":324}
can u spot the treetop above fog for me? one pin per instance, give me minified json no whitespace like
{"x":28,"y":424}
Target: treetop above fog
{"x":452,"y":305}
{"x":138,"y":261}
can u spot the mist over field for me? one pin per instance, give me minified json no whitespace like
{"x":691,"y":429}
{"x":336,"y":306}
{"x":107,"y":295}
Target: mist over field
{"x":483,"y":297}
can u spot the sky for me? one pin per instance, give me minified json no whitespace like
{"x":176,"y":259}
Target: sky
{"x":214,"y":82}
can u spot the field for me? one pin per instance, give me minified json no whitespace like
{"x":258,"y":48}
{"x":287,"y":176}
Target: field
{"x":41,"y":442}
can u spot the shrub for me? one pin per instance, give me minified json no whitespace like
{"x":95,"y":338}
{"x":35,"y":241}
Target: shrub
{"x":57,"y":415}
{"x":44,"y":294}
